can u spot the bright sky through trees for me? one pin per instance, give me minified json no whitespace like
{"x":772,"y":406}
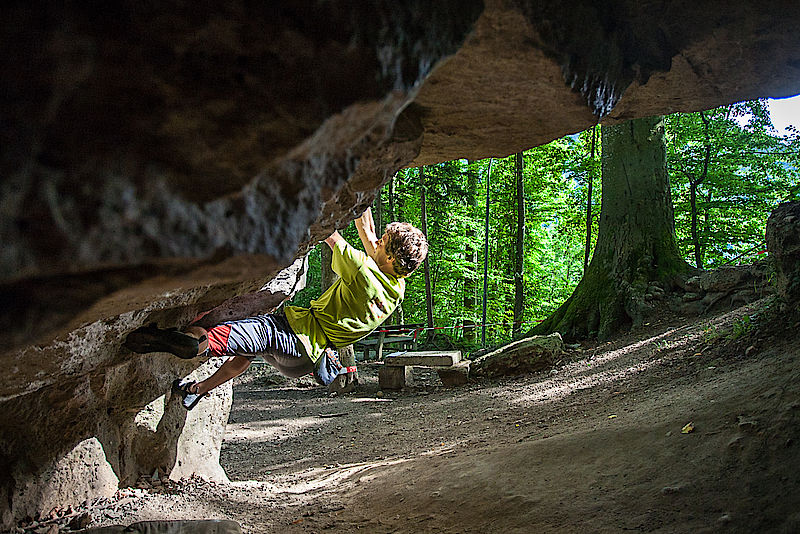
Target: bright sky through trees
{"x":785,"y":111}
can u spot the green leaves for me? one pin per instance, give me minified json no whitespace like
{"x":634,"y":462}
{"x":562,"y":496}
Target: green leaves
{"x":740,"y":169}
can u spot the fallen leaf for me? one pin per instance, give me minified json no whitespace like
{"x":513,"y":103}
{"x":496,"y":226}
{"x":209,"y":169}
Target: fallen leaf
{"x":612,"y":416}
{"x":688,"y":428}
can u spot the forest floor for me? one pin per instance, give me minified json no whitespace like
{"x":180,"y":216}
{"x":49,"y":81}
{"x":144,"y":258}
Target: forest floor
{"x":595,"y":445}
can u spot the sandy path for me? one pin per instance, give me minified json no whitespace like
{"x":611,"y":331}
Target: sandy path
{"x":595,"y":446}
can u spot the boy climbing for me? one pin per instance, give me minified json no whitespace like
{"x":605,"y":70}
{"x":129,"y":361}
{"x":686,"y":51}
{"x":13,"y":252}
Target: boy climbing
{"x":300,"y":341}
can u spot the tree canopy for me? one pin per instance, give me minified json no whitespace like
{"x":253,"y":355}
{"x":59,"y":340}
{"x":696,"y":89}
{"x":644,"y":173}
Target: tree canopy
{"x":727,"y":168}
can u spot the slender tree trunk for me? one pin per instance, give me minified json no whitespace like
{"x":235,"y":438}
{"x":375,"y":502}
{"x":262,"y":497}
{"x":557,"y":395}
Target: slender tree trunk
{"x":379,"y":213}
{"x":636,"y":237}
{"x":589,"y":203}
{"x":397,"y":316}
{"x":706,"y":225}
{"x":693,"y":185}
{"x":519,"y":294}
{"x":486,"y":257}
{"x":698,"y":260}
{"x":427,"y":266}
{"x":390,"y":193}
{"x":397,"y":205}
{"x":471,"y":259}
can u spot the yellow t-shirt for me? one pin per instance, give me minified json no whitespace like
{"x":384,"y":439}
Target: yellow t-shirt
{"x":357,"y":303}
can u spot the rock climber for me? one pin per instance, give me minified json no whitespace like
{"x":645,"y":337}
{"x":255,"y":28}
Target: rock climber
{"x":298,"y":341}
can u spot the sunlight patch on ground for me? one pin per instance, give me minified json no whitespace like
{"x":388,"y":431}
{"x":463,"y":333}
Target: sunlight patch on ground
{"x":554,"y":390}
{"x":323,"y":478}
{"x":587,"y":372}
{"x":269,"y":431}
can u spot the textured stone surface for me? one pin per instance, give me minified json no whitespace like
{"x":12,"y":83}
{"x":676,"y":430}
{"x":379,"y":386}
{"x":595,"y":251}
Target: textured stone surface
{"x":457,"y":375}
{"x":208,"y":526}
{"x":82,"y":474}
{"x":200,"y":442}
{"x":783,"y":242}
{"x":527,"y":355}
{"x":161,"y":161}
{"x":430,"y":358}
{"x":395,"y":378}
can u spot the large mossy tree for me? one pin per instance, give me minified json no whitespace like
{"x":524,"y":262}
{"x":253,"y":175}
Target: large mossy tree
{"x":636,"y":248}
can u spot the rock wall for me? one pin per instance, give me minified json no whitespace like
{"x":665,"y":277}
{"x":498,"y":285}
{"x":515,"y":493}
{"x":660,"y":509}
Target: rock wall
{"x":161,"y":161}
{"x":783,"y":242}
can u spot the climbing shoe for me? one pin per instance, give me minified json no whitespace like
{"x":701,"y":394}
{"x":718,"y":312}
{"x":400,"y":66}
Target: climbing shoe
{"x":150,"y":338}
{"x":185,"y":388}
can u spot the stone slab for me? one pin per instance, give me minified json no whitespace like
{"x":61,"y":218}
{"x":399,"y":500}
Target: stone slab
{"x":425,"y":358}
{"x":456,"y":375}
{"x":394,"y":378}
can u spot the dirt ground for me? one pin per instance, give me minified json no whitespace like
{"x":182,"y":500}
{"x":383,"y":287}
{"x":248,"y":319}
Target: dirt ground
{"x":595,"y":445}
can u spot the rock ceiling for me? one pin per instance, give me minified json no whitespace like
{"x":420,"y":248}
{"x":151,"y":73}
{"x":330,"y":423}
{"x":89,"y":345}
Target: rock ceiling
{"x":158,"y":160}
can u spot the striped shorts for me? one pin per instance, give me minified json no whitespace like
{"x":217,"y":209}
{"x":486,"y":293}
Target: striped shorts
{"x":271,"y":338}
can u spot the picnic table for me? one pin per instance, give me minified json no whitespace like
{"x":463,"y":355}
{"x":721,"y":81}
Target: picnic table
{"x":404,"y":335}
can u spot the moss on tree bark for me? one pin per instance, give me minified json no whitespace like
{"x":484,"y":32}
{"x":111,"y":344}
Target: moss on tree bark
{"x":636,"y":246}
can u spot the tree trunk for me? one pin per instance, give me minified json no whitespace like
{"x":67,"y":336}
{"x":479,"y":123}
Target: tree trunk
{"x":519,"y":296}
{"x":693,"y":185}
{"x":698,"y":258}
{"x":396,"y":209}
{"x":486,"y":256}
{"x":636,"y":236}
{"x":424,"y":215}
{"x":379,"y":213}
{"x":397,"y":316}
{"x":471,"y":257}
{"x":589,"y":203}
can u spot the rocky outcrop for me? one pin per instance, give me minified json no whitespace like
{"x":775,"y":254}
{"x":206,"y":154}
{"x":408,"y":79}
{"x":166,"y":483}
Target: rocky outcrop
{"x":161,"y":161}
{"x":783,"y":242}
{"x":726,"y":287}
{"x":528,"y":355}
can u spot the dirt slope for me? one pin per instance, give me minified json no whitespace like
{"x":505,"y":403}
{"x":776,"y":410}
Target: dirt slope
{"x":594,"y":446}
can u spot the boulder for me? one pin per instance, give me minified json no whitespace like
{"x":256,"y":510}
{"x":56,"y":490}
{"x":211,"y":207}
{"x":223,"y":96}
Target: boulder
{"x":528,"y":355}
{"x":783,"y":242}
{"x":726,"y":287}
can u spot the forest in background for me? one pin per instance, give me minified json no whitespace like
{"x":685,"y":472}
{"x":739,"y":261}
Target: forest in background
{"x":728,"y":168}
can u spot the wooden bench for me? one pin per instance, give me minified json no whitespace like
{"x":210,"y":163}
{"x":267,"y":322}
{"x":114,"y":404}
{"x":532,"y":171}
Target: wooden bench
{"x":396,"y":370}
{"x":405,"y":335}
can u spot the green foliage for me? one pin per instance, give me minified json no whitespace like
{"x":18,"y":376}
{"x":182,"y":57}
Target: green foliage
{"x":741,"y":169}
{"x":749,"y":169}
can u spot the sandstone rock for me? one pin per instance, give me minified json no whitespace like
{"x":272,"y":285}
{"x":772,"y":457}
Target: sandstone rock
{"x":82,"y":474}
{"x":159,"y":162}
{"x":783,"y":242}
{"x":395,"y":378}
{"x":454,"y":376}
{"x":200,"y":441}
{"x":527,"y":355}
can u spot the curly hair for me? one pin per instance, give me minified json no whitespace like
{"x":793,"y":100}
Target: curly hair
{"x":407,"y":245}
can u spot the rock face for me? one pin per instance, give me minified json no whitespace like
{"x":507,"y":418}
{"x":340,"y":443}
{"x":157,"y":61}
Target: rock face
{"x":783,"y":242}
{"x":726,"y":287}
{"x":161,"y":161}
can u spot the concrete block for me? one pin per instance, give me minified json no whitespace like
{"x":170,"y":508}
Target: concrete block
{"x":392,"y":377}
{"x":425,"y":358}
{"x":456,"y":375}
